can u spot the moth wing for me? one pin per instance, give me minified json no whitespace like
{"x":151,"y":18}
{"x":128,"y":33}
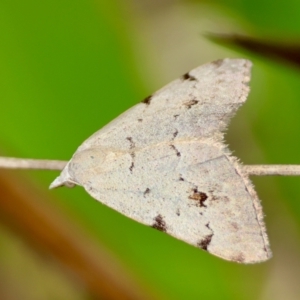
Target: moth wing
{"x":233,"y":209}
{"x":137,"y":164}
{"x":196,"y":106}
{"x":207,"y":203}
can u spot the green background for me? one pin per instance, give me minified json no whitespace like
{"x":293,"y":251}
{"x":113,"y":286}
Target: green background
{"x":69,"y":67}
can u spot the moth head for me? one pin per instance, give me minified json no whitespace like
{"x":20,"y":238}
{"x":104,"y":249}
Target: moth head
{"x":81,"y":167}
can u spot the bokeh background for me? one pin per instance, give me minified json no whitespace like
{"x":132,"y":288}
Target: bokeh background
{"x":69,"y":67}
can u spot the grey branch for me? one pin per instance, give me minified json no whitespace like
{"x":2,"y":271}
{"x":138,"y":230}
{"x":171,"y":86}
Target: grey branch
{"x":269,"y":170}
{"x":26,"y":163}
{"x":45,"y":164}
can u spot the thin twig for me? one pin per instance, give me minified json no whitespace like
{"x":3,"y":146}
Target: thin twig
{"x":269,"y":170}
{"x":45,"y":164}
{"x":25,"y":163}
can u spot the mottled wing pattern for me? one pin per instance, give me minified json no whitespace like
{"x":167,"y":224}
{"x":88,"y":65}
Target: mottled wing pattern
{"x":163,"y":164}
{"x":196,"y":106}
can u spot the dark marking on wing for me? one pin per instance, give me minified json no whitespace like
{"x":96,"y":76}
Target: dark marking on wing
{"x":188,"y":76}
{"x":131,"y":167}
{"x":159,"y":223}
{"x":177,"y":152}
{"x":178,"y":212}
{"x":181,"y":178}
{"x":175,"y":134}
{"x":176,"y":116}
{"x":200,"y":197}
{"x":218,"y":62}
{"x":132,"y":154}
{"x":147,"y":191}
{"x":140,"y":120}
{"x":190,"y":103}
{"x":92,"y":157}
{"x":204,"y":243}
{"x":147,"y":100}
{"x":132,"y":145}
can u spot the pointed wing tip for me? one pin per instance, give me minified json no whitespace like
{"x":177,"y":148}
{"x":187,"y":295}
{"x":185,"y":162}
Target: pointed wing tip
{"x":235,"y":64}
{"x":255,"y":259}
{"x":242,"y":68}
{"x":258,"y":260}
{"x":241,"y":62}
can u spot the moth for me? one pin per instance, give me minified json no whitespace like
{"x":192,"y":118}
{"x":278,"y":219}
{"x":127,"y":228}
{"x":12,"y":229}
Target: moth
{"x":164,"y":163}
